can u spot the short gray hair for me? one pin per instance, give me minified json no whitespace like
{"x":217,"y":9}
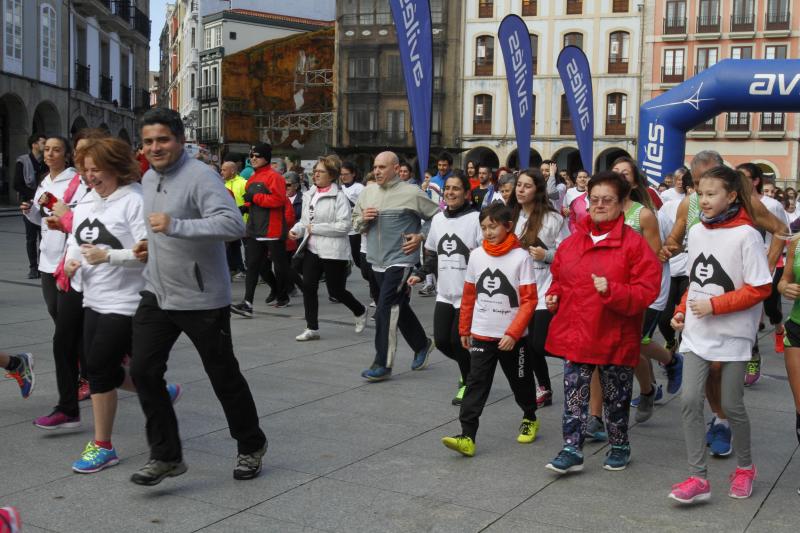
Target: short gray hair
{"x":505,"y":179}
{"x":281,"y":164}
{"x":292,"y":177}
{"x":706,"y":158}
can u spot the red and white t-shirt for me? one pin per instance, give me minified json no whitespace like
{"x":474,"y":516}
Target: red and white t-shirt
{"x":497,"y":283}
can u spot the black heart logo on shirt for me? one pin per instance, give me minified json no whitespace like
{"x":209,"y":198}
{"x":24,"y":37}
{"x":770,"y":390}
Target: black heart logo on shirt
{"x":708,"y":271}
{"x":95,"y":233}
{"x":492,"y":282}
{"x":452,"y":245}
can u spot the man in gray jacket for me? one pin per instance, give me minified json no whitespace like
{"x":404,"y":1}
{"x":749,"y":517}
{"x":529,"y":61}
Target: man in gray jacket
{"x":189,"y":217}
{"x":391,"y":216}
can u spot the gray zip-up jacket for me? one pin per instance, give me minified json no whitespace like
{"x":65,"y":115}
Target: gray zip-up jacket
{"x":401,"y":210}
{"x":186,"y":266}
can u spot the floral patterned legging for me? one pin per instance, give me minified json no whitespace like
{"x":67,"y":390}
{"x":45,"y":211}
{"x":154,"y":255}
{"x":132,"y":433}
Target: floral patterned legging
{"x":617,"y":384}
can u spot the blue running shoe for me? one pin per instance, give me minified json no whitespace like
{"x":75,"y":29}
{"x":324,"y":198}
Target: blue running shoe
{"x":377,"y":373}
{"x":569,"y":459}
{"x":24,"y":375}
{"x":94,"y":459}
{"x":720,"y":440}
{"x":618,"y":457}
{"x":421,"y":357}
{"x":675,"y":374}
{"x":659,"y":395}
{"x":175,"y":392}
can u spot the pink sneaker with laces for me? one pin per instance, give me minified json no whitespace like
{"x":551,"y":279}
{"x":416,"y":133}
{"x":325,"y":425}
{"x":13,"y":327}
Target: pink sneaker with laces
{"x":692,"y":490}
{"x":742,"y":482}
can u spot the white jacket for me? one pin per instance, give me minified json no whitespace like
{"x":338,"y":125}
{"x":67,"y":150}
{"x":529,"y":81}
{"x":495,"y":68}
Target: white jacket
{"x":115,"y":224}
{"x":329,"y":217}
{"x":53,"y":243}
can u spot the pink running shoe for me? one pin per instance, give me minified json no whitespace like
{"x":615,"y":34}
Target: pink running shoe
{"x":9,"y":520}
{"x":57,"y":420}
{"x":742,"y":482}
{"x":83,"y":390}
{"x":692,"y":490}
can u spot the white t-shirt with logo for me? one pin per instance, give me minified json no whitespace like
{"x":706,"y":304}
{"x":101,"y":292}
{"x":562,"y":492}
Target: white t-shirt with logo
{"x":552,"y":233}
{"x":497,"y":281}
{"x":720,"y":261}
{"x":453,"y":240}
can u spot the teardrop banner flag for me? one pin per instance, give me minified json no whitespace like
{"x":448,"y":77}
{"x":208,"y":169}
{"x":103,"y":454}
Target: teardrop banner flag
{"x":515,"y":42}
{"x":573,"y":67}
{"x":412,"y":20}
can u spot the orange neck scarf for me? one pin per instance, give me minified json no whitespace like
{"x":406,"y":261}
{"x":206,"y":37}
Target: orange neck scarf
{"x":496,"y":250}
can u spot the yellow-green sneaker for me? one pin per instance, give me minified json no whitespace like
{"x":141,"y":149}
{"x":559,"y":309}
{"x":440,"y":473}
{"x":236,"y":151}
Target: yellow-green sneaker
{"x":460,"y":394}
{"x":527,"y":431}
{"x":460,"y":443}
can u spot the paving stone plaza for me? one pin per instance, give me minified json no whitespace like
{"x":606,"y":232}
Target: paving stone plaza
{"x":349,"y":456}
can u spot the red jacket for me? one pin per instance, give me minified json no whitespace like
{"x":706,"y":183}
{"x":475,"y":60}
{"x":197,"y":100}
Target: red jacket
{"x":602,"y":329}
{"x":265,"y":195}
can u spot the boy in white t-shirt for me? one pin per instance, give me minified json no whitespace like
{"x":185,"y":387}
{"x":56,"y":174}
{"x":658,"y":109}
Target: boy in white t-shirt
{"x":497,"y":304}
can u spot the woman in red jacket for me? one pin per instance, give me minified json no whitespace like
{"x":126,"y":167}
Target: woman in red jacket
{"x":604,"y":277}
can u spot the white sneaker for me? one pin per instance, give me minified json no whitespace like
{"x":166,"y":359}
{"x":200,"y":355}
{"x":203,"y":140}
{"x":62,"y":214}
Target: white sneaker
{"x":372,"y":304}
{"x":361,"y":321}
{"x":308,"y":335}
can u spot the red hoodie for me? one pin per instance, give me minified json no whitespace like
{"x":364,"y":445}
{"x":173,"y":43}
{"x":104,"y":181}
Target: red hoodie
{"x":265,"y":195}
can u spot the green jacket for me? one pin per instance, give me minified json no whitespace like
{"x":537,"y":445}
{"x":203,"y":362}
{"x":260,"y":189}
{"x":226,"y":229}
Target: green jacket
{"x":236,"y":185}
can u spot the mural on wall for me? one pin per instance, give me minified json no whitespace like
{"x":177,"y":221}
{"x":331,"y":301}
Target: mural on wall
{"x":267,"y":87}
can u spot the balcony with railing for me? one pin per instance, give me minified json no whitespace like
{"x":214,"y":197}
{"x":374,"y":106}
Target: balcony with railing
{"x":672,"y":74}
{"x":484,"y":66}
{"x":82,"y":77}
{"x":574,"y":7}
{"x":208,"y":134}
{"x":379,"y":138}
{"x":708,"y":24}
{"x":396,"y":85}
{"x":143,"y":102}
{"x":674,"y":25}
{"x":617,"y":65}
{"x":482,"y":126}
{"x":743,"y":22}
{"x":615,"y":126}
{"x":208,"y":93}
{"x":708,"y":125}
{"x":122,"y":9}
{"x":737,"y":122}
{"x":777,"y":20}
{"x":141,"y":23}
{"x":106,"y":82}
{"x":362,"y":85}
{"x":125,"y":96}
{"x":773,"y":122}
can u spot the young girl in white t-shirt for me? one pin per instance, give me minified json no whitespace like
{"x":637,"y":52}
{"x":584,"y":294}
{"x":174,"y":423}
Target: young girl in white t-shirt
{"x":728,"y":279}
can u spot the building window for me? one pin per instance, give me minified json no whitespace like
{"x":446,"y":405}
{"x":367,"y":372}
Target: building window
{"x":772,"y":122}
{"x":778,"y":16}
{"x":675,"y":19}
{"x":482,"y":115}
{"x":49,"y":42}
{"x":217,"y":36}
{"x":232,"y":36}
{"x":574,"y":7}
{"x":194,"y":37}
{"x":742,"y":52}
{"x":362,"y":119}
{"x":565,"y":122}
{"x":207,"y":39}
{"x":396,"y":127}
{"x":574,"y":39}
{"x":706,"y":57}
{"x":361,"y":74}
{"x":535,"y":52}
{"x":738,"y":121}
{"x":618,"y":48}
{"x":743,"y":17}
{"x":775,"y":52}
{"x":485,"y":9}
{"x":708,"y":19}
{"x":528,"y":8}
{"x":620,"y":6}
{"x":484,"y":55}
{"x":13,"y":36}
{"x":673,"y":69}
{"x":616,"y":111}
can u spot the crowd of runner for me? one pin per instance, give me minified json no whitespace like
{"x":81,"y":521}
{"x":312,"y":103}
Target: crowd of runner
{"x":524,"y":265}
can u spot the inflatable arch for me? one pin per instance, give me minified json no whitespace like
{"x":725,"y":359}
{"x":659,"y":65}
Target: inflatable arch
{"x":750,"y":85}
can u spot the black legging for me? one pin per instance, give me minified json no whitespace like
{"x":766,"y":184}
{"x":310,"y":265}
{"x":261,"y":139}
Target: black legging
{"x":107,"y":338}
{"x":537,"y":335}
{"x":355,"y":248}
{"x":256,"y":255}
{"x":335,"y":279}
{"x":772,"y":305}
{"x":677,"y":287}
{"x":446,"y":337}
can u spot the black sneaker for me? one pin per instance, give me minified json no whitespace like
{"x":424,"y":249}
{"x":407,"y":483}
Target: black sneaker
{"x":248,"y":465}
{"x":33,"y":273}
{"x":243,"y":309}
{"x":154,"y":471}
{"x":282,"y":303}
{"x":271,"y":297}
{"x":333,"y":300}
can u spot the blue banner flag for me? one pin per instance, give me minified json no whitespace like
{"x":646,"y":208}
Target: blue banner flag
{"x":515,"y":42}
{"x":412,"y":20}
{"x":573,"y":67}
